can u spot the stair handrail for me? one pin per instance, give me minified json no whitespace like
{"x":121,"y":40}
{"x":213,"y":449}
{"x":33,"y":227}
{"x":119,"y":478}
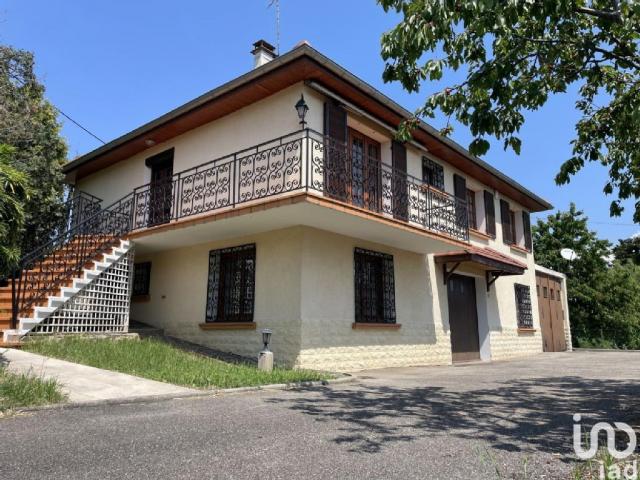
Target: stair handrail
{"x":47,"y":267}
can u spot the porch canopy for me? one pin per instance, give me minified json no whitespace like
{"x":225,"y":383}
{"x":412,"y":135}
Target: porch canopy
{"x":494,"y":263}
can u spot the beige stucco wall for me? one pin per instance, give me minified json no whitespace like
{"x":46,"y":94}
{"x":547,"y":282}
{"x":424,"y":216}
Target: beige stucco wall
{"x":262,"y":121}
{"x":305,"y":294}
{"x":328,"y":310}
{"x":178,"y":290}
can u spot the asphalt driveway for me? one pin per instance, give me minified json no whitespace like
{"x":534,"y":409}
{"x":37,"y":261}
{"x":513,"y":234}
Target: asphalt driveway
{"x":499,"y":420}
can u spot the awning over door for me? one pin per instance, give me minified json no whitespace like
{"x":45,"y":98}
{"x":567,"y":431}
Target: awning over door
{"x":494,"y":263}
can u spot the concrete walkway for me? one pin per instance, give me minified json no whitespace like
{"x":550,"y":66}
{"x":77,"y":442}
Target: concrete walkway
{"x":88,"y":384}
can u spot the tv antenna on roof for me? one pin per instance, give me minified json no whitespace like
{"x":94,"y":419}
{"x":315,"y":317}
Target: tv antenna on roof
{"x":277,"y":4}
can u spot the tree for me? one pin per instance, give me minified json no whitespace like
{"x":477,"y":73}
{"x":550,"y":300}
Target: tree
{"x":604,"y":302}
{"x":14,"y":193}
{"x":569,"y":230}
{"x":28,"y":124}
{"x":628,"y":250}
{"x":517,"y":53}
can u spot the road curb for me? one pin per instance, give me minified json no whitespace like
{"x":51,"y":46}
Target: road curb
{"x":344,"y":378}
{"x":604,"y":350}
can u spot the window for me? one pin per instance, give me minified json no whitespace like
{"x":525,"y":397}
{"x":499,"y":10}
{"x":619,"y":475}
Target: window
{"x":544,"y":292}
{"x":471,"y":206}
{"x":374,"y":287}
{"x":231,"y":286}
{"x":432,"y":173}
{"x":523,"y":306}
{"x":552,"y":296}
{"x":141,"y":278}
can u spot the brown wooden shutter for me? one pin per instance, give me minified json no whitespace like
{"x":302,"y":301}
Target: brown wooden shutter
{"x":490,"y":214}
{"x":459,"y":187}
{"x":400,"y":200}
{"x":335,"y":121}
{"x":336,"y":160}
{"x":526,"y":228}
{"x":505,"y":219}
{"x":460,"y":192}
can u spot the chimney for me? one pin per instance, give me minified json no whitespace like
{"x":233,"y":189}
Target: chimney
{"x":263,"y":52}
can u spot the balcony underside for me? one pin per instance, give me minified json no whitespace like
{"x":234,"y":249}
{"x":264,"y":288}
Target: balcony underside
{"x":291,"y":210}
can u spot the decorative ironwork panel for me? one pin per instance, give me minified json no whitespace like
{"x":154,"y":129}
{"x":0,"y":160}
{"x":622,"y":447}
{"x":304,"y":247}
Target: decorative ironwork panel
{"x":432,"y":173}
{"x":141,"y":278}
{"x":374,"y":287}
{"x":231,"y":284}
{"x":352,"y":176}
{"x":523,"y":305}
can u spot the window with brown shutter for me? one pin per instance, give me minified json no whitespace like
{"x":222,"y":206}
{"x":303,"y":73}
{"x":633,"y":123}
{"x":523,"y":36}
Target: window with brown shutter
{"x":490,"y":214}
{"x":512,"y":219}
{"x":505,"y":219}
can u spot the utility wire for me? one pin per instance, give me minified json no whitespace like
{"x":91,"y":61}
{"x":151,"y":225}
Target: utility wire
{"x":78,"y":124}
{"x":68,"y":117}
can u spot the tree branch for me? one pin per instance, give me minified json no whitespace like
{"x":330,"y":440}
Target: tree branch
{"x":613,"y":15}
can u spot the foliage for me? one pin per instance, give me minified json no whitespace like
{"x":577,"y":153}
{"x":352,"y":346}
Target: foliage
{"x":569,"y":230}
{"x":14,"y":192}
{"x":28,"y":123}
{"x":515,"y":54}
{"x":26,"y":390}
{"x":604,"y":302}
{"x":628,"y":249}
{"x":157,"y":360}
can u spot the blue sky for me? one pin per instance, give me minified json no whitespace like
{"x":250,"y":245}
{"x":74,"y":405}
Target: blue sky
{"x":118,"y":64}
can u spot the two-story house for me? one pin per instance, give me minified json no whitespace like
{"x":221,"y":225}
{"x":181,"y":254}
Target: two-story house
{"x":282,"y":200}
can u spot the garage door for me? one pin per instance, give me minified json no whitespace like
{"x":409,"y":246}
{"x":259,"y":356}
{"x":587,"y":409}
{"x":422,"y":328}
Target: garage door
{"x":549,"y":291}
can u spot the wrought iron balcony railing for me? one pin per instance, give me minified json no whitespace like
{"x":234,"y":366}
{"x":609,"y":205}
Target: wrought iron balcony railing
{"x":302,"y":161}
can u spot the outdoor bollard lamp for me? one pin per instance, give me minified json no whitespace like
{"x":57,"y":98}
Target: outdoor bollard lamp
{"x":265,"y":357}
{"x":302,"y":109}
{"x":266,"y":338}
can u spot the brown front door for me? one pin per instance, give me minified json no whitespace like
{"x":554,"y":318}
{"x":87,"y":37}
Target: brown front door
{"x":365,"y":171}
{"x":161,"y":189}
{"x":463,"y":318}
{"x":549,"y":292}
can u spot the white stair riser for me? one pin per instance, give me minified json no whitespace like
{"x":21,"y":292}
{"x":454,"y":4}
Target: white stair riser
{"x":56,"y":301}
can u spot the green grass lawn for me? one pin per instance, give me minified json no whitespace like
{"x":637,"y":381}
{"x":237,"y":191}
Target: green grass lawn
{"x":157,"y":360}
{"x":22,"y":390}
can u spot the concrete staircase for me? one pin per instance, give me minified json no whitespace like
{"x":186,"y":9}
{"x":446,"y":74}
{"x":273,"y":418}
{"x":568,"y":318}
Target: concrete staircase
{"x":49,"y":301}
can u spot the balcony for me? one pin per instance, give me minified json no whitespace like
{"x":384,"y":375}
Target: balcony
{"x":303,"y":162}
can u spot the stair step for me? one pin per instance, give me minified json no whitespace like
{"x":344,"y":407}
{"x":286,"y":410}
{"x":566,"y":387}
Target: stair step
{"x":13,"y":335}
{"x":43,"y":312}
{"x":27,"y":324}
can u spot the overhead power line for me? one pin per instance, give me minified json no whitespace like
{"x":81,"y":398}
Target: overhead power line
{"x":78,"y":124}
{"x":68,"y":117}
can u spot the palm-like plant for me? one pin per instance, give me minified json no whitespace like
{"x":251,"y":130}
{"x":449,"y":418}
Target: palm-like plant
{"x":14,"y":191}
